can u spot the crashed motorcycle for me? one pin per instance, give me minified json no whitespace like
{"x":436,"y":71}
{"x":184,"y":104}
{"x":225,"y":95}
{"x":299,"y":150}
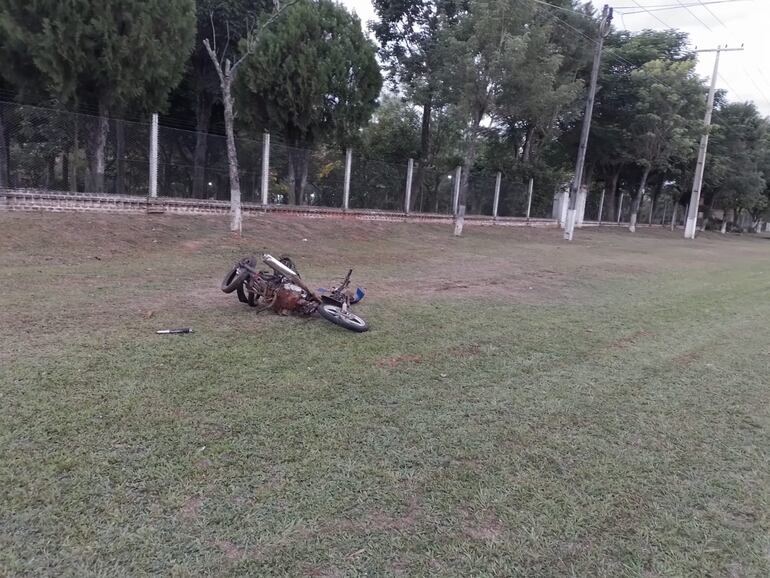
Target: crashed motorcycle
{"x":283,"y":290}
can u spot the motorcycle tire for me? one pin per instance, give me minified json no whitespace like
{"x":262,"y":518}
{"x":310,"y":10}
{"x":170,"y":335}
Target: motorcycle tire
{"x":234,"y":279}
{"x":246,"y":296}
{"x":347,"y":320}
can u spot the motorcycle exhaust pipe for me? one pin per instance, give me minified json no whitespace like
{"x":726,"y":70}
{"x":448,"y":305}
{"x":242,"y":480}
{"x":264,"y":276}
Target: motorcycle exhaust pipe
{"x":293,"y":276}
{"x":279,"y":267}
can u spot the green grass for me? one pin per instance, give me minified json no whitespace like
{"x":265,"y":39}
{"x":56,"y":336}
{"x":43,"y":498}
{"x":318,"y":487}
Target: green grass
{"x":602,"y":410}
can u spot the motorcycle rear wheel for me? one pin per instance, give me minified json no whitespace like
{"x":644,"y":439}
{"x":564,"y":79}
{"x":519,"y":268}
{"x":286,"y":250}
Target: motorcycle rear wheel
{"x":336,"y":315}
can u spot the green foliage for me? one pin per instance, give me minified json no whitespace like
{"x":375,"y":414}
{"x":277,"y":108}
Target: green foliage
{"x":618,"y":96}
{"x":313,"y":74}
{"x":114,"y":54}
{"x":394,"y":133}
{"x":411,"y":35}
{"x":736,"y":170}
{"x":667,"y":114}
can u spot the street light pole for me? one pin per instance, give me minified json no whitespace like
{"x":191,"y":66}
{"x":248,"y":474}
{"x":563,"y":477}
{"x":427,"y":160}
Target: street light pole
{"x":697,"y":183}
{"x":577,"y":182}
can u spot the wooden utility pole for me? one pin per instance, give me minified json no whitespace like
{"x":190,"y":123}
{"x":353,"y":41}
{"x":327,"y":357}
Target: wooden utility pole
{"x":577,"y":182}
{"x":692,"y":211}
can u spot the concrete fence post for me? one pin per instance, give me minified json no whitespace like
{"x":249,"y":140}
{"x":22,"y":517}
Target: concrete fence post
{"x":581,"y":206}
{"x":620,"y":207}
{"x":153,"y":185}
{"x":530,"y":188}
{"x":496,"y":201}
{"x":601,"y":208}
{"x":408,"y":195}
{"x":265,"y":167}
{"x":456,"y":192}
{"x":459,"y":222}
{"x":346,"y":190}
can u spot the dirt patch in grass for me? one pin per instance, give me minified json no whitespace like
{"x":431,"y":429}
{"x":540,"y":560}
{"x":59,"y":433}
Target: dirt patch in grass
{"x":398,"y":360}
{"x":190,"y":510}
{"x":688,"y":358}
{"x":482,"y":526}
{"x":630,"y":340}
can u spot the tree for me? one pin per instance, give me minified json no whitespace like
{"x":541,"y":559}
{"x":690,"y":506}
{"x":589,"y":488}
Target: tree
{"x":227,"y":71}
{"x":734,"y":176}
{"x":665,"y":120}
{"x":313,"y":75}
{"x":412,"y":34}
{"x":486,"y":48}
{"x":199,"y":94}
{"x":546,"y":93}
{"x":394,"y":133}
{"x":617,"y":97}
{"x":102,"y":54}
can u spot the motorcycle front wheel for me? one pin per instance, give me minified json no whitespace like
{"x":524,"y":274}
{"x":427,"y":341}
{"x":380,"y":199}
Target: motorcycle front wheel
{"x":336,"y":315}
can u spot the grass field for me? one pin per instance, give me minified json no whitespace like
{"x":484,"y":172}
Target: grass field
{"x":521,"y":406}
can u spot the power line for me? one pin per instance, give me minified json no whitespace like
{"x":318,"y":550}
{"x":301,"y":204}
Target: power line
{"x":710,"y":11}
{"x":662,"y":7}
{"x":562,"y":8}
{"x":652,"y":14}
{"x":694,"y":15}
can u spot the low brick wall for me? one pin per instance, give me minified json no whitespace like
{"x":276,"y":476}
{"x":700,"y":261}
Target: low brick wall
{"x":35,"y":200}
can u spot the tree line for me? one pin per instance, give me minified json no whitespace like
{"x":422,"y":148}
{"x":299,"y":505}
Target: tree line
{"x":492,"y":85}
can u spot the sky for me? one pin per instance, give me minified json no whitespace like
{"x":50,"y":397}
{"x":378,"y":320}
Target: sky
{"x":744,"y":75}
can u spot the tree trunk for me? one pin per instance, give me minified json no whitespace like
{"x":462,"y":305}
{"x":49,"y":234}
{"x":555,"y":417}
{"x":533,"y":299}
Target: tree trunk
{"x":202,"y":121}
{"x":422,"y":159}
{"x":50,"y":178}
{"x":638,"y":199}
{"x":468,"y":162}
{"x":298,"y":169}
{"x":4,"y":150}
{"x":707,"y":213}
{"x":304,"y":161}
{"x":526,"y":153}
{"x":656,"y":196}
{"x":120,"y":154}
{"x":673,"y":214}
{"x":292,"y":178}
{"x":65,"y":170}
{"x":610,"y":196}
{"x":97,"y":146}
{"x":232,"y":156}
{"x":73,"y":174}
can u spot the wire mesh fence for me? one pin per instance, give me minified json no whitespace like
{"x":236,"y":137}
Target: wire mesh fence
{"x":377,"y":185}
{"x":433,"y":190}
{"x":57,"y":150}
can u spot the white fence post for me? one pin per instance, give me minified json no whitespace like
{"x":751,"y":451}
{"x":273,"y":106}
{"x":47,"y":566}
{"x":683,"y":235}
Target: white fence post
{"x":456,"y":193}
{"x":601,"y":208}
{"x":346,"y":190}
{"x":154,"y":156}
{"x":496,"y":202}
{"x":265,"y":167}
{"x":408,"y":195}
{"x":530,"y":188}
{"x":620,"y":207}
{"x":581,"y":206}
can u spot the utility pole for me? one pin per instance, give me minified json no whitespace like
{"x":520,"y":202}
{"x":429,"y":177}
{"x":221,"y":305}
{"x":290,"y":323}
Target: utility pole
{"x":692,"y":211}
{"x":577,"y":182}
